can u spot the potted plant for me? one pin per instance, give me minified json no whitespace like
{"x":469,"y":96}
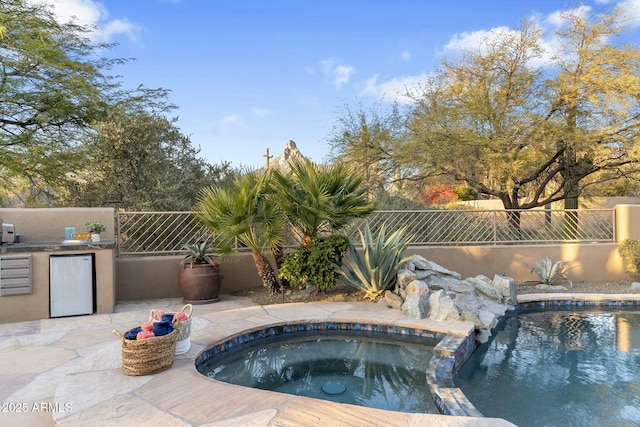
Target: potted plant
{"x":199,"y":276}
{"x":95,"y":228}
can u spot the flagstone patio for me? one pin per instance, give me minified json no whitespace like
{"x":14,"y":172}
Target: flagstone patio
{"x":66,"y":372}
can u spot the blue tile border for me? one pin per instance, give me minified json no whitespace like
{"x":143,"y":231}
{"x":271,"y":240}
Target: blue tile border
{"x":554,"y":304}
{"x":449,"y":355}
{"x":251,"y":335}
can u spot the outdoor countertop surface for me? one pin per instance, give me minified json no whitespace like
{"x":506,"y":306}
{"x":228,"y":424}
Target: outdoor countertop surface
{"x":56,"y":246}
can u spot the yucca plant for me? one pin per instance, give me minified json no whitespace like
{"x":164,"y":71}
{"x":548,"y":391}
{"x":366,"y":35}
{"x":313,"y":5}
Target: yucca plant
{"x":375,"y":271}
{"x":550,"y":273}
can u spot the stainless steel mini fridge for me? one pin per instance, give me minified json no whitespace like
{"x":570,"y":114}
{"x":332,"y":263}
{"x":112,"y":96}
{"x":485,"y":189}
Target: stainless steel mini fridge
{"x":71,"y":285}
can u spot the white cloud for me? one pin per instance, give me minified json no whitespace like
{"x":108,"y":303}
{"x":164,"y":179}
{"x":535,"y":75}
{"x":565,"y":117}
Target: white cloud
{"x":341,"y":74}
{"x":405,"y":56}
{"x":631,"y":10}
{"x":550,"y":45}
{"x":475,"y":39}
{"x":228,"y":122}
{"x":327,"y":65}
{"x":94,"y":13}
{"x":556,"y":19}
{"x":118,"y":26}
{"x":87,"y":12}
{"x":397,"y":89}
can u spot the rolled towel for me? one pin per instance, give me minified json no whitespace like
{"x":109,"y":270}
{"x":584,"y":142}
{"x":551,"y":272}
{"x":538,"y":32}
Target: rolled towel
{"x":131,"y":335}
{"x":144,"y":334}
{"x":162,"y":328}
{"x":182,"y":316}
{"x":167,"y":317}
{"x":158,"y":315}
{"x":147,"y":326}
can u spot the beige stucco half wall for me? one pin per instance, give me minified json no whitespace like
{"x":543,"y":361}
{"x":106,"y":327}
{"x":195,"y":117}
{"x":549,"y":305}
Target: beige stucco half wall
{"x":48,"y":224}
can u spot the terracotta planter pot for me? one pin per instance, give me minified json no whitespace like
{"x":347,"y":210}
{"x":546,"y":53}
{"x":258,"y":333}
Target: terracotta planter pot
{"x":199,"y":284}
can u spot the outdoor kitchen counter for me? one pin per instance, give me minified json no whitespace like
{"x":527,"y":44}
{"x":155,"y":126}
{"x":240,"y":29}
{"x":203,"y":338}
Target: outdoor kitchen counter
{"x":35,"y":305}
{"x":55,"y":247}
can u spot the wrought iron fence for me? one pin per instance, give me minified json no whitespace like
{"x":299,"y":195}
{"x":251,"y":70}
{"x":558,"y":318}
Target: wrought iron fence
{"x":165,"y":233}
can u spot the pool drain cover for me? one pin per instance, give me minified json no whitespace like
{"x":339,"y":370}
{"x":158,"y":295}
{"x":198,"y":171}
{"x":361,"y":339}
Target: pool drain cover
{"x":334,"y":387}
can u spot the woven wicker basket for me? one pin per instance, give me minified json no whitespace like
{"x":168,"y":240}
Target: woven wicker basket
{"x":184,"y":328}
{"x":147,"y":356}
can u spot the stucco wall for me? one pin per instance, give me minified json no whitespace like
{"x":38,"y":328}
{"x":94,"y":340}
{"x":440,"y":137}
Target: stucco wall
{"x":594,"y":262}
{"x":48,"y":224}
{"x":156,"y":277}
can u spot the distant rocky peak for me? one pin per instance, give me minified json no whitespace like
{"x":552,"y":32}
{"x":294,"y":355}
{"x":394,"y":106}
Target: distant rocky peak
{"x":290,"y":153}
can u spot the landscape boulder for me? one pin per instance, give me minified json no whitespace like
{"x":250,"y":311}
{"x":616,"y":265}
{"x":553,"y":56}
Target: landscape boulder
{"x":426,"y":289}
{"x":415,"y":306}
{"x":393,"y":300}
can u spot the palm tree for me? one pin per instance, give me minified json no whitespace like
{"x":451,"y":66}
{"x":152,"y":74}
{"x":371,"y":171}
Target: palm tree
{"x":245,"y":211}
{"x":320,"y":199}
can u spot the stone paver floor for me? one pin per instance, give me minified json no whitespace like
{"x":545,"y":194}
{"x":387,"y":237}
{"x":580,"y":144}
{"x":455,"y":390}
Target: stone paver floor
{"x":66,"y":372}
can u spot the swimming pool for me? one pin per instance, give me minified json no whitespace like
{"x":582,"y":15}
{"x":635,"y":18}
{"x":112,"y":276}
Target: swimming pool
{"x":559,"y":368}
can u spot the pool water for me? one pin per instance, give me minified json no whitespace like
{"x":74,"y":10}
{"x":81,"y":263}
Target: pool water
{"x":559,"y":368}
{"x":372,"y":370}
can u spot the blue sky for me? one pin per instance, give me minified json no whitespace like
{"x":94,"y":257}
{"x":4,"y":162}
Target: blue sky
{"x":250,"y":75}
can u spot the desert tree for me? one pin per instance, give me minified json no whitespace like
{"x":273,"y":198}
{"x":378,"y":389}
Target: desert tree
{"x":531,"y":134}
{"x":53,"y":85}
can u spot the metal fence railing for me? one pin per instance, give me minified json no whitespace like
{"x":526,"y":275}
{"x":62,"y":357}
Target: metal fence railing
{"x":165,"y":233}
{"x":482,"y":227}
{"x":158,"y":233}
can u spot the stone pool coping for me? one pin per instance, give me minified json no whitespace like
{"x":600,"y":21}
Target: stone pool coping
{"x":102,"y":395}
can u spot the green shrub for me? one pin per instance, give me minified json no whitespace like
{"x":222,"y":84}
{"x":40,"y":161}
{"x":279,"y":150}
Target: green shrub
{"x":315,"y":264}
{"x":466,"y":193}
{"x":629,"y":249}
{"x":550,"y":273}
{"x":376,"y":270}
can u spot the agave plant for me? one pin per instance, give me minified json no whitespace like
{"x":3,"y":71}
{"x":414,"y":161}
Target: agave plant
{"x":550,"y":273}
{"x":198,"y":253}
{"x":376,"y":270}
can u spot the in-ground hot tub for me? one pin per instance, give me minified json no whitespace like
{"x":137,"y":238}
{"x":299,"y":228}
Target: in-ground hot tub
{"x":375,"y":366}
